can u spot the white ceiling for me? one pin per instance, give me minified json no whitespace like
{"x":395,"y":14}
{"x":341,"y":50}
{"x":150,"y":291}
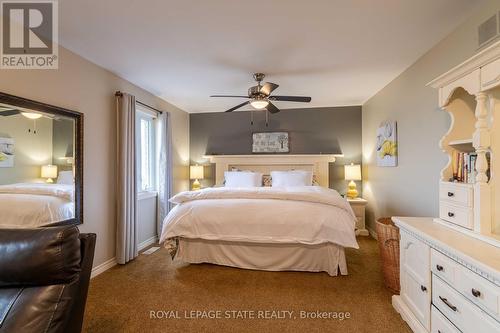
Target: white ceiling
{"x":336,"y":51}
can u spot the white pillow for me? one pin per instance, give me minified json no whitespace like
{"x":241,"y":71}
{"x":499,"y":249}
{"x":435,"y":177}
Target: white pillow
{"x":242,"y":179}
{"x":65,"y":177}
{"x":291,"y":178}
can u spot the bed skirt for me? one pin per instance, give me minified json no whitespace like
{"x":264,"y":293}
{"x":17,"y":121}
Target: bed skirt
{"x":326,"y":257}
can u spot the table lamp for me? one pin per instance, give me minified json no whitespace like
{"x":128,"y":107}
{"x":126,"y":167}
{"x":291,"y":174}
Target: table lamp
{"x":352,"y":173}
{"x":49,"y":172}
{"x":196,"y":173}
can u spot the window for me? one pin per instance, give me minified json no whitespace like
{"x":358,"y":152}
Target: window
{"x":146,"y":161}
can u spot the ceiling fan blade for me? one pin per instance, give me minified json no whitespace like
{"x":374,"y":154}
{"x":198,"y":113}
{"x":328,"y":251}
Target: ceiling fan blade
{"x":229,"y":96}
{"x":272,"y":108}
{"x":11,"y":112}
{"x":303,"y":99}
{"x":238,"y":106}
{"x":268,"y":87}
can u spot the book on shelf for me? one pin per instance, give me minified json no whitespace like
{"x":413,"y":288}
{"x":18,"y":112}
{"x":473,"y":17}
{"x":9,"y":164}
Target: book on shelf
{"x":464,"y":167}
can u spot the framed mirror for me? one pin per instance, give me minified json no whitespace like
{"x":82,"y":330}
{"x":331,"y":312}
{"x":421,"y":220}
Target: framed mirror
{"x":41,"y":164}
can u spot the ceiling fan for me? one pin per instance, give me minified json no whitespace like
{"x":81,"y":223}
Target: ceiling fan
{"x":260,"y":96}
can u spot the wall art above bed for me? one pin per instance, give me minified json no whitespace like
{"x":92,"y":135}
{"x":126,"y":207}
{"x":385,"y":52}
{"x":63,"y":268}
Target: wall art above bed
{"x":270,"y":142}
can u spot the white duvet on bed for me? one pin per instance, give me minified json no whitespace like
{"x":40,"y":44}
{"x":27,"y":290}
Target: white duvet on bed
{"x":297,"y":215}
{"x":27,"y":205}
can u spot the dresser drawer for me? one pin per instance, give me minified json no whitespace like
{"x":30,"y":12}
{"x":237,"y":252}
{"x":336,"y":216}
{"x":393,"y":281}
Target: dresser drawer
{"x":459,"y":310}
{"x":459,"y":215}
{"x":444,"y":267}
{"x":415,"y":277}
{"x":479,"y":291}
{"x":439,"y":323}
{"x":458,"y":194}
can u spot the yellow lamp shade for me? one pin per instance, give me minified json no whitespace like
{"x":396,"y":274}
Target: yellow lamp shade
{"x":352,"y":172}
{"x":49,"y":172}
{"x":196,"y":172}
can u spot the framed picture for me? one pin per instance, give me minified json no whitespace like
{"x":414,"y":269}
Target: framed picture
{"x":6,"y":152}
{"x":387,"y":144}
{"x":270,"y":142}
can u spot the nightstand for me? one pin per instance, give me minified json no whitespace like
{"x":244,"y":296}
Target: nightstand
{"x":358,"y":206}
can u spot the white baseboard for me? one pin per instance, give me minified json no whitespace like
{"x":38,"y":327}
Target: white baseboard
{"x":112,"y":262}
{"x":408,"y":316}
{"x":362,"y":232}
{"x":102,"y":267}
{"x":373,"y":233}
{"x":147,"y":242}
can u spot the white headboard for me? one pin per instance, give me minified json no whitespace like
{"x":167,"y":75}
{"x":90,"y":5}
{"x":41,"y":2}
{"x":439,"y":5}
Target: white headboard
{"x":318,"y":164}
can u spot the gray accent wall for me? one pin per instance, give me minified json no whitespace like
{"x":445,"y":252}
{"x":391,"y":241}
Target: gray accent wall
{"x":329,"y":130}
{"x":62,"y":142}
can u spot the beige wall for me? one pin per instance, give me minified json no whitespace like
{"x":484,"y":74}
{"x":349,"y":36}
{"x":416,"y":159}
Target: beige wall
{"x":31,"y":150}
{"x":82,"y":86}
{"x":412,"y":187}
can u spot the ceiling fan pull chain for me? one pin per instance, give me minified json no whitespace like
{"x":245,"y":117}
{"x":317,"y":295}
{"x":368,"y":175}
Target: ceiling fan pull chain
{"x":267,"y":118}
{"x":251,"y":118}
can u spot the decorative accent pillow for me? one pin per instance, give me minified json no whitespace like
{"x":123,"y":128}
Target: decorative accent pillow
{"x":267,"y":181}
{"x":65,"y":177}
{"x":242,"y":179}
{"x":291,"y":178}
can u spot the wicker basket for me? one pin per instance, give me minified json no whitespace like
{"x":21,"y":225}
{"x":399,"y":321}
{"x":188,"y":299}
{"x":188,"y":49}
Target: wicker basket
{"x":388,"y":243}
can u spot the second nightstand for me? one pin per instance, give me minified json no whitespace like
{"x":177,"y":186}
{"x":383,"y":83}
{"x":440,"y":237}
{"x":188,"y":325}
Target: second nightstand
{"x":358,"y":206}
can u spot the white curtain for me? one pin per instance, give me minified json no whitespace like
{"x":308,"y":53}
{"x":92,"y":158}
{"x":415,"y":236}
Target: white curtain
{"x":165,"y":166}
{"x":126,"y":183}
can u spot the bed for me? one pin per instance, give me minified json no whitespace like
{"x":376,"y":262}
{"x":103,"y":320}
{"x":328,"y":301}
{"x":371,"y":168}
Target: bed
{"x":26,"y":205}
{"x":302,"y":228}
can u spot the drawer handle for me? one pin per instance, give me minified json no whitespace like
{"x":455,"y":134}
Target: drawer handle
{"x":450,"y":214}
{"x":423,"y":288}
{"x":451,"y":194}
{"x":440,"y":268}
{"x":475,"y":292}
{"x":445,"y":301}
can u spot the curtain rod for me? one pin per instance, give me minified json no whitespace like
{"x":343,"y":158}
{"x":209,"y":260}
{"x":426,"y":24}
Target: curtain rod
{"x":119,"y":93}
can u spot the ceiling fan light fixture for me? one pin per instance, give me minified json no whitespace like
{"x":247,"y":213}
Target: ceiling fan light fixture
{"x":31,"y":115}
{"x":259,"y":104}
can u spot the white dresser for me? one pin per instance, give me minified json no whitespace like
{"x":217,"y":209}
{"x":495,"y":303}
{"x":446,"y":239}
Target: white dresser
{"x":450,"y":282}
{"x":450,"y":266}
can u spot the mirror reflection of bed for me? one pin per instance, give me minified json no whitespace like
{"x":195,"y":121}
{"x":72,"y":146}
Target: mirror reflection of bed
{"x":37,"y":169}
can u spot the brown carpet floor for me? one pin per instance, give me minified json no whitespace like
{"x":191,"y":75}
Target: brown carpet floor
{"x":121,"y":299}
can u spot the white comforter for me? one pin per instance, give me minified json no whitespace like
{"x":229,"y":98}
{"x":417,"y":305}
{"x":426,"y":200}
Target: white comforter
{"x":303,"y":215}
{"x":27,"y":205}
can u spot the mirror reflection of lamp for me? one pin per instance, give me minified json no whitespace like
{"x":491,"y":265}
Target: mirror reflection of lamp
{"x":49,"y":172}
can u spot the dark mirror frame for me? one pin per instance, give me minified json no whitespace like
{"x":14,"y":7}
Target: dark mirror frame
{"x":78,"y":158}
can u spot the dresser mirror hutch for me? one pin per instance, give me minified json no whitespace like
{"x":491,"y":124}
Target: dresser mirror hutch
{"x":450,"y":265}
